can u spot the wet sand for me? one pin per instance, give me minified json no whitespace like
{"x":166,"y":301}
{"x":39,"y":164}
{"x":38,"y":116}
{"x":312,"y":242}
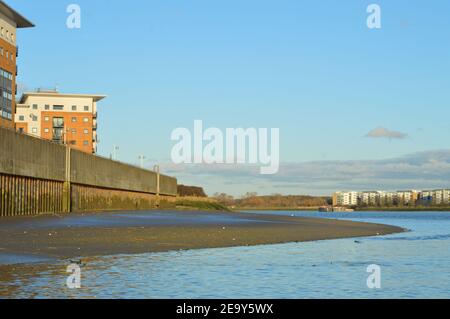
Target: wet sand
{"x":87,"y":235}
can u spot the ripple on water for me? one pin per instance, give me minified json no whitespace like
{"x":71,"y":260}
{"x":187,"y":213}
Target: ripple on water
{"x":414,"y":265}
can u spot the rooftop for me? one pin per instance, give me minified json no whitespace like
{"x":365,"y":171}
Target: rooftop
{"x":12,"y":14}
{"x":53,"y":93}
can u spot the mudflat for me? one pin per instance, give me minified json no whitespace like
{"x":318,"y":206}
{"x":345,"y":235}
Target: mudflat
{"x":110,"y":233}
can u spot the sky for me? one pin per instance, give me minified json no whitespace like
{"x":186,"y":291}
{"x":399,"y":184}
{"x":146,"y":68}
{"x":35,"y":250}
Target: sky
{"x":357,"y":108}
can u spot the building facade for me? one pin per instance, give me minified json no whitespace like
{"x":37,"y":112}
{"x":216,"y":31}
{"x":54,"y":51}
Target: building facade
{"x":345,"y":199}
{"x":62,"y":118}
{"x":10,"y":21}
{"x":435,"y":197}
{"x":398,"y":198}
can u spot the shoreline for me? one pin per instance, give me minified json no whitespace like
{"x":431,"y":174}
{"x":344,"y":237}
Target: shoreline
{"x":361,"y":210}
{"x":114,"y":233}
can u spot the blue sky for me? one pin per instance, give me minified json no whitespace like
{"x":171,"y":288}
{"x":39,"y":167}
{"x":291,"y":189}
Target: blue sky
{"x":311,"y":68}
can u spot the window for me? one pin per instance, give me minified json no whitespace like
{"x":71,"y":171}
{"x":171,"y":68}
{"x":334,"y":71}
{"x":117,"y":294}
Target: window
{"x":74,"y":131}
{"x":58,"y":107}
{"x":35,"y":106}
{"x":58,"y":122}
{"x":86,"y":120}
{"x":86,"y":142}
{"x":6,"y":98}
{"x":34,"y":130}
{"x":46,"y":130}
{"x":47,"y":107}
{"x":34,"y":118}
{"x":86,"y":108}
{"x":86,"y":131}
{"x":74,"y":119}
{"x":46,"y":118}
{"x":21,"y":118}
{"x":74,"y":107}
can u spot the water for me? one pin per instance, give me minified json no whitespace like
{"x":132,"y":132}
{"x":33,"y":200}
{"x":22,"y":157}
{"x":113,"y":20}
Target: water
{"x":415,"y":264}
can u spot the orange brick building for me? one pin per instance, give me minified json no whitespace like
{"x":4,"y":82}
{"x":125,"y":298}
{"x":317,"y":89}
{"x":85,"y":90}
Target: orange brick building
{"x":69,"y":119}
{"x":10,"y":21}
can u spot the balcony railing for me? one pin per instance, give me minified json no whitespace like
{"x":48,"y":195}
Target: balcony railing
{"x":57,"y":140}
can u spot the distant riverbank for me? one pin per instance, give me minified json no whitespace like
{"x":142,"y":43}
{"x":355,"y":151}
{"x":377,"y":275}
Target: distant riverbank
{"x":94,"y":234}
{"x":403,"y":209}
{"x":293,"y":209}
{"x":359,"y":209}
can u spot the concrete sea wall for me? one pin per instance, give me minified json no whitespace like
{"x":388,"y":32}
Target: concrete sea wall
{"x":37,"y":176}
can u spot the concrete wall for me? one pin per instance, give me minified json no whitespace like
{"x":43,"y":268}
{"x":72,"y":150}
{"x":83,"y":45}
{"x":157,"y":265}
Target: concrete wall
{"x":25,"y":156}
{"x":115,"y":175}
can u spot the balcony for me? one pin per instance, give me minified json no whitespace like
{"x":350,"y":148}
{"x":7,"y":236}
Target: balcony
{"x":57,"y":140}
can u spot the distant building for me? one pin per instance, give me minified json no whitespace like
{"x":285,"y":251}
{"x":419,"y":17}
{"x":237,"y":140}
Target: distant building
{"x":407,"y":198}
{"x":398,"y":198}
{"x":345,"y":199}
{"x":10,"y":21}
{"x":435,"y":197}
{"x":62,"y":118}
{"x":369,"y":198}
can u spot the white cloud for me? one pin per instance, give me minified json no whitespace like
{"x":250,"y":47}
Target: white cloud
{"x":381,"y":132}
{"x":420,"y":170}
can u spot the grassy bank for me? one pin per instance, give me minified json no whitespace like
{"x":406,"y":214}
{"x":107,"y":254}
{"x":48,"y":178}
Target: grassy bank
{"x":194,"y":203}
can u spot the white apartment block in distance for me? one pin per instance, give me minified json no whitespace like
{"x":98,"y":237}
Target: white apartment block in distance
{"x":435,"y":197}
{"x":377,"y":198}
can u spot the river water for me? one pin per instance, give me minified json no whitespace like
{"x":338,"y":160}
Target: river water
{"x":415,"y":264}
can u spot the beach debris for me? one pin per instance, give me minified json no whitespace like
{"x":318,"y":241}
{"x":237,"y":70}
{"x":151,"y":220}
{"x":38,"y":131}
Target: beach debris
{"x":77,"y":262}
{"x":357,"y":242}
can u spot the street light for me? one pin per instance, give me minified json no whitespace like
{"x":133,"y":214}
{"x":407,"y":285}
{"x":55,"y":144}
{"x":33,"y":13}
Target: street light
{"x":141,"y":159}
{"x":115,"y":150}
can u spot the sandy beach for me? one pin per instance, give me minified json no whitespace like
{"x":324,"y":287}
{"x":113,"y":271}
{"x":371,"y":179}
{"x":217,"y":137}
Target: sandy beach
{"x":84,"y":235}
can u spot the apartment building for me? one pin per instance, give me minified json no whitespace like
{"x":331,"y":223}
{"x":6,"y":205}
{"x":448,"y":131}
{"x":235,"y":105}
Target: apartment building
{"x":62,"y":118}
{"x":10,"y":21}
{"x":345,"y":199}
{"x":407,"y":197}
{"x":435,"y":197}
{"x":398,"y":198}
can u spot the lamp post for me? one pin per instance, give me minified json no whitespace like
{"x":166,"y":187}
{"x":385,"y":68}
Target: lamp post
{"x":141,"y":159}
{"x":115,"y":150}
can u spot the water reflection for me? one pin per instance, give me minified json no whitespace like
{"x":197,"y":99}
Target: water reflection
{"x":414,"y":265}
